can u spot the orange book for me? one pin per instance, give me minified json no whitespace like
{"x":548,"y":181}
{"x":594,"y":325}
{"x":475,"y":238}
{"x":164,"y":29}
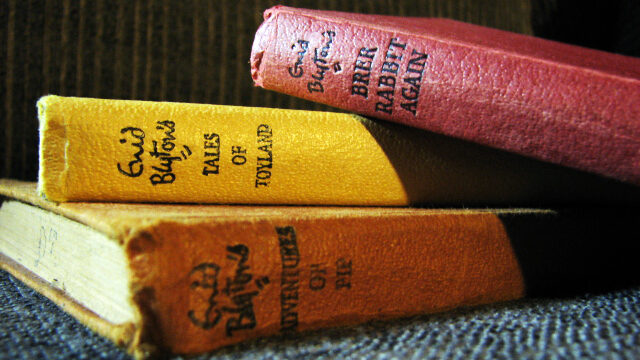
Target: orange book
{"x":142,"y":151}
{"x":188,"y":279}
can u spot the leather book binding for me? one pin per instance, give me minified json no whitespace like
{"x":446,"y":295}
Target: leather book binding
{"x":558,"y":103}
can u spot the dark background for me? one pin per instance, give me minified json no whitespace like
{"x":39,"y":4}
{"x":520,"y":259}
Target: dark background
{"x":198,"y":51}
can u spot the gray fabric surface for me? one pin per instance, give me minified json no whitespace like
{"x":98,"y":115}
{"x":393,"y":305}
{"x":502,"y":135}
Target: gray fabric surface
{"x":589,"y":326}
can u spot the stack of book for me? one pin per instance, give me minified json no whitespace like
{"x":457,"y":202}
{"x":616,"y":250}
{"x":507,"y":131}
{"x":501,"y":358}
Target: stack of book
{"x":175,"y":227}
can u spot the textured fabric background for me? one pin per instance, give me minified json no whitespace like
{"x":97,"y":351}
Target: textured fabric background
{"x":603,"y":326}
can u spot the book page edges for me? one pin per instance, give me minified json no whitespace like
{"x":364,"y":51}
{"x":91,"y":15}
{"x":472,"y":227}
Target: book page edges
{"x":52,"y":153}
{"x":135,"y":336}
{"x":124,"y":335}
{"x":26,"y":192}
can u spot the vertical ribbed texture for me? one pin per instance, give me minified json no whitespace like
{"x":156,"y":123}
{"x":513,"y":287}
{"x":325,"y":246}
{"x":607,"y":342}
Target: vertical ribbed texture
{"x":149,"y":46}
{"x":118,"y":61}
{"x":194,"y":51}
{"x":8,"y":118}
{"x":99,"y":52}
{"x":211,"y":49}
{"x":80,"y":46}
{"x":65,"y":45}
{"x":137,"y":34}
{"x":164,"y":55}
{"x":219,"y":61}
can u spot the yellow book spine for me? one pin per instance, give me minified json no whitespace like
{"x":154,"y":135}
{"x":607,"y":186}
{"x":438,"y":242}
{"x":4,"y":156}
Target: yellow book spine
{"x":122,"y":150}
{"x":115,"y":150}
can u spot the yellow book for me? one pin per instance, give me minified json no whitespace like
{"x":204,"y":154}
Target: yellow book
{"x":121,"y":150}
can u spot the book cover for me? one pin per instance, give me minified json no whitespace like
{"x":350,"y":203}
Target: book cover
{"x":191,"y":278}
{"x":187,"y":279}
{"x":142,"y":151}
{"x":559,"y":103}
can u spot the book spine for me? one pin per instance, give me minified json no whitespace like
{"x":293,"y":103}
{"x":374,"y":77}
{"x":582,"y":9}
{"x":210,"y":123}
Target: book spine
{"x":502,"y":90}
{"x":117,"y":150}
{"x":202,"y":286}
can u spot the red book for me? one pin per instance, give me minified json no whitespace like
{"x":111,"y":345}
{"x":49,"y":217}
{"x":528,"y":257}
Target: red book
{"x":554,"y":102}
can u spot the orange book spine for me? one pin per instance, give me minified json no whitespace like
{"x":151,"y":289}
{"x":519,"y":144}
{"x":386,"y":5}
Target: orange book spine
{"x":202,"y":286}
{"x":198,"y":277}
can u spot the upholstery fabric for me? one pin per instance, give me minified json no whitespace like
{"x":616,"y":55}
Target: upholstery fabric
{"x":587,"y":326}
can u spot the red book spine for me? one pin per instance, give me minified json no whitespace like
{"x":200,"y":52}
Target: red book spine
{"x":554,"y":102}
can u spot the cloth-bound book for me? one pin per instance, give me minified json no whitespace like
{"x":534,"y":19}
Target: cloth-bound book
{"x":192,"y":278}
